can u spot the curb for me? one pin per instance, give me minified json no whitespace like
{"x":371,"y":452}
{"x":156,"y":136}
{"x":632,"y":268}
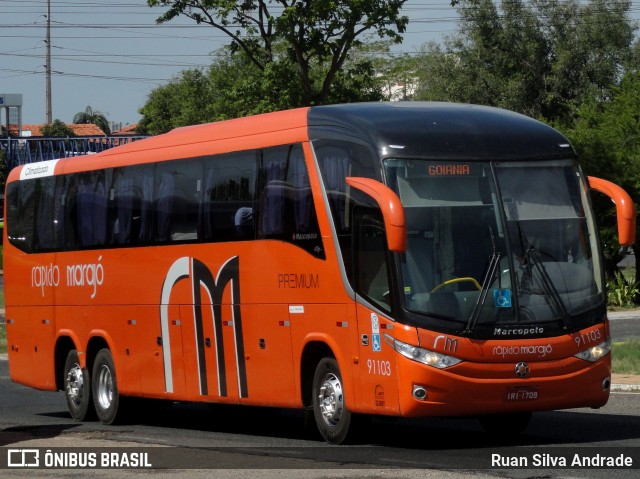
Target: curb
{"x":625,"y":388}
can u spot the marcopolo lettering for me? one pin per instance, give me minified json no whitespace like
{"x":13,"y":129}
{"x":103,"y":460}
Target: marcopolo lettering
{"x":518,"y":331}
{"x":200,"y":276}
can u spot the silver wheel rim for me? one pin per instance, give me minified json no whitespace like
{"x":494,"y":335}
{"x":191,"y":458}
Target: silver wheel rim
{"x":105,"y":387}
{"x":331,"y":400}
{"x":75,"y":384}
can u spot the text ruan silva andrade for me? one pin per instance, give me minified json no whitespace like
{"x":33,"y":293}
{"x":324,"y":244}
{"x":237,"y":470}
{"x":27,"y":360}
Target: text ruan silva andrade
{"x":567,"y":460}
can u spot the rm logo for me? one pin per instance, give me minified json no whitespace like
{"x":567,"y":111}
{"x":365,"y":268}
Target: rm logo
{"x":449,"y":345}
{"x":187,"y":268}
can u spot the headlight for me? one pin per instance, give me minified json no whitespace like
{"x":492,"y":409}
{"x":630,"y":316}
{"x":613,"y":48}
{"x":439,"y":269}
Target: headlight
{"x":424,"y":356}
{"x":595,"y":352}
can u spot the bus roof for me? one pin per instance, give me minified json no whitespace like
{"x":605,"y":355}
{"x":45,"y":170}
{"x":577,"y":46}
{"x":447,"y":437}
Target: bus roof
{"x":440,"y":130}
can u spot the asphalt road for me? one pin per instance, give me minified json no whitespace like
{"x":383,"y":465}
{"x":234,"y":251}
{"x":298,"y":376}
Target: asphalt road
{"x":231,"y":441}
{"x":624,"y":325}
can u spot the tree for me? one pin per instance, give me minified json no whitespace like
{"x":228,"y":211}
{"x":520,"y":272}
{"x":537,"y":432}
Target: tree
{"x":57,"y":129}
{"x":398,"y":76}
{"x":89,"y":116}
{"x":233,"y":87}
{"x":185,"y":100}
{"x":607,"y":137}
{"x":542,"y":58}
{"x":308,"y":41}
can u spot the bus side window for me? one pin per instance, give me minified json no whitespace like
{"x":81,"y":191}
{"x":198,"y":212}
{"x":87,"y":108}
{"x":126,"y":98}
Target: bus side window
{"x":178,"y":191}
{"x":371,"y":272}
{"x":286,"y":208}
{"x":49,"y":214}
{"x":228,"y":199}
{"x":21,"y":214}
{"x":336,"y":164}
{"x":91,"y":209}
{"x":164,"y":188}
{"x":146,"y":206}
{"x":275,"y":194}
{"x":126,"y":200}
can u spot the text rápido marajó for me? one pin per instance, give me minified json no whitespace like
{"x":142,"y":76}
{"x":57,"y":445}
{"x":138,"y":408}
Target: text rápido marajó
{"x":83,"y":275}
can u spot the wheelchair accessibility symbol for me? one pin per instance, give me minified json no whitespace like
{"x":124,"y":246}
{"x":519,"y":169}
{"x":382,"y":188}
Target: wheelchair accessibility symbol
{"x":502,"y":298}
{"x":377,"y":347}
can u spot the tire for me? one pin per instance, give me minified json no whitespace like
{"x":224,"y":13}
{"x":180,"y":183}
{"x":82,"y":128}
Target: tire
{"x":332,"y":416}
{"x":106,"y":398}
{"x":77,"y":388}
{"x":505,"y":425}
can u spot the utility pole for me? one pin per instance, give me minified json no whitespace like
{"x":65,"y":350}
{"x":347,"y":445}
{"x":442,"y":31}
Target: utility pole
{"x":48,"y":67}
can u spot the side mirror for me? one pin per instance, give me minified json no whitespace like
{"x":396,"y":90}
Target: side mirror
{"x":391,"y":207}
{"x":625,"y":209}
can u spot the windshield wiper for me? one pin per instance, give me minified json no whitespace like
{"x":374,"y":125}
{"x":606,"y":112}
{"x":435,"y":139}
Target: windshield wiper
{"x":532,"y":257}
{"x":494,"y":262}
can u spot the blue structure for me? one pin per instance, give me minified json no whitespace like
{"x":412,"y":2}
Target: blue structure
{"x":32,"y":149}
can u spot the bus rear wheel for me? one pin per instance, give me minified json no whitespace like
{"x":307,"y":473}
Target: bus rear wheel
{"x":333,"y":418}
{"x":105,"y":387}
{"x":77,"y":388}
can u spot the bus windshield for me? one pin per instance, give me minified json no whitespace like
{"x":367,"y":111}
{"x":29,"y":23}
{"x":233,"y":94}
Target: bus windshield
{"x":493,"y":243}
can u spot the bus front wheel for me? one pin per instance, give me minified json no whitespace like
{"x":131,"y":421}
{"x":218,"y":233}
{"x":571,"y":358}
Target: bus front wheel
{"x":105,"y":387}
{"x":77,"y":387}
{"x":333,"y":418}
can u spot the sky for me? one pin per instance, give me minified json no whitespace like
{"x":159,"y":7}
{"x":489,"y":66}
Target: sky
{"x":109,"y":54}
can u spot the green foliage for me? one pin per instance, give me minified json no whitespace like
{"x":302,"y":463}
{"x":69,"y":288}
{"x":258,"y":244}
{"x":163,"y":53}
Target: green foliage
{"x":607,"y":137}
{"x":622,"y":292}
{"x":186,"y":100}
{"x":90,"y":116}
{"x":57,"y":129}
{"x":233,"y":87}
{"x":300,"y":47}
{"x":541,"y":58}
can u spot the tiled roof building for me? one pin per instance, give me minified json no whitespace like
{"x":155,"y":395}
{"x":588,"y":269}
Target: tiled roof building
{"x":126,"y":130}
{"x":83,"y":129}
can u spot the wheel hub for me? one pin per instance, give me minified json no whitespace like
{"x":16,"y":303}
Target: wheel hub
{"x":75,"y":383}
{"x":331,"y":400}
{"x":105,"y":388}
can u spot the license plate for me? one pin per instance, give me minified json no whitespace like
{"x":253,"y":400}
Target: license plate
{"x":522,"y":394}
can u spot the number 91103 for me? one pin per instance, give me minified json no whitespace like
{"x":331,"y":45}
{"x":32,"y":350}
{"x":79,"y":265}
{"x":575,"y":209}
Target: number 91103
{"x":379,"y":368}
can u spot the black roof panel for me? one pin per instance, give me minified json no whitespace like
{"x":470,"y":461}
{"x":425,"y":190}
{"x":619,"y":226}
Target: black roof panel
{"x":440,"y":130}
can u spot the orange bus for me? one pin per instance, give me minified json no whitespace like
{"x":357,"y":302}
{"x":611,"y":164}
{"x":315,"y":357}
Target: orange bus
{"x":397,"y":259}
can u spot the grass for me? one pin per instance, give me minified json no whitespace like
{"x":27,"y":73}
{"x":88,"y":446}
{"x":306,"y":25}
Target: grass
{"x":625,"y":357}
